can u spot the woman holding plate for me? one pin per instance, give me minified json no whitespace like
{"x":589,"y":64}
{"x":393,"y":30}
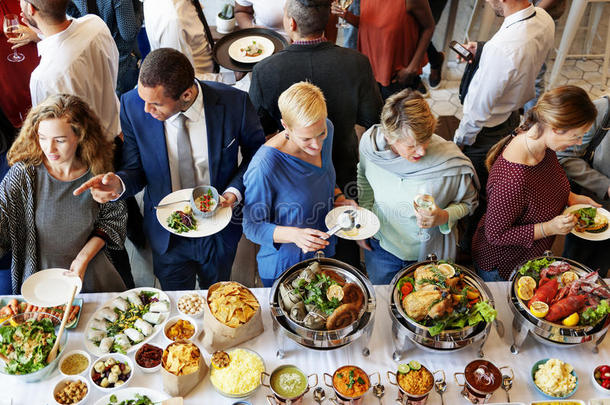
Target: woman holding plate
{"x":402,"y":160}
{"x":60,"y":145}
{"x":290,"y":185}
{"x":528,"y":190}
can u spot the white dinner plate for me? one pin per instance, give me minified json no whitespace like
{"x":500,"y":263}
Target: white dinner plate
{"x":93,"y":349}
{"x":130,"y":393}
{"x":588,"y":235}
{"x":369,"y":223}
{"x":237,"y":55}
{"x":49,"y":288}
{"x":205,"y":226}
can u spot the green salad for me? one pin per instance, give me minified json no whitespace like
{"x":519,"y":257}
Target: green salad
{"x":138,"y":400}
{"x":27,"y":345}
{"x":182,"y":221}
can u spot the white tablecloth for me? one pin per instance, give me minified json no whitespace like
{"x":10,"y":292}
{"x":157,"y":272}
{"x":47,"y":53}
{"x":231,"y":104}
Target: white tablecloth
{"x":380,"y":359}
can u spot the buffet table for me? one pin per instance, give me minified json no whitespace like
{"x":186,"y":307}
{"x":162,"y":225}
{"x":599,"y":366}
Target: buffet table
{"x":381,"y":348}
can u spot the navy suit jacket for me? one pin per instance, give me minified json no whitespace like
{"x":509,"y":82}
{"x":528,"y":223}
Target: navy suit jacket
{"x":231,"y":123}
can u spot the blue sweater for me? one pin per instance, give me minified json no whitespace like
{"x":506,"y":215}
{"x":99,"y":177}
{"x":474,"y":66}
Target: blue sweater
{"x":286,"y":191}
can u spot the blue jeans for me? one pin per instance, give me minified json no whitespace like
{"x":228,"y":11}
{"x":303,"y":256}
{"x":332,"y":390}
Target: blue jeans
{"x":493,"y":275}
{"x":381,"y":265}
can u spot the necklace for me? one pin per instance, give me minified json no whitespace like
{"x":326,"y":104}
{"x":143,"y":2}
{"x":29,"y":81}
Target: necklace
{"x":528,"y":148}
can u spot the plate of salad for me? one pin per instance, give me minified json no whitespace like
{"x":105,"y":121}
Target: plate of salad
{"x":175,"y":215}
{"x":442,"y":298}
{"x":133,"y":396}
{"x":591,"y":222}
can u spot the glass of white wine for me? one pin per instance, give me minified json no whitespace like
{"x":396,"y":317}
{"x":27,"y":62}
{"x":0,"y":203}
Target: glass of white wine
{"x":424,"y":204}
{"x":10,"y":26}
{"x":344,"y":4}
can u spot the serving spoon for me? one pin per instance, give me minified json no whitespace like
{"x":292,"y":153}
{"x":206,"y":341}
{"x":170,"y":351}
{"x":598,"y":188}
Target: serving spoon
{"x":319,"y":395}
{"x":440,"y":386}
{"x":507,"y":384}
{"x":346,"y":221}
{"x":53,"y":353}
{"x":379,"y":392}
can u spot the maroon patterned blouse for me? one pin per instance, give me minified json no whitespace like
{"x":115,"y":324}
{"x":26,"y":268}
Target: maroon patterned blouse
{"x":519,"y":196}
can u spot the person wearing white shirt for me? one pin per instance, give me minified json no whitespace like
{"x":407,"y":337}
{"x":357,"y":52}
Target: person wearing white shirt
{"x":176,"y":24}
{"x":262,"y":13}
{"x":78,"y":57}
{"x":502,"y":84}
{"x":180,"y":133}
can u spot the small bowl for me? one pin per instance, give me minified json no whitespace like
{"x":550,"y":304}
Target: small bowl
{"x":171,"y":321}
{"x":245,"y":394}
{"x":196,"y":314}
{"x":148,"y":370}
{"x":61,"y":383}
{"x":533,"y":374}
{"x":68,"y":354}
{"x":120,"y":358}
{"x":595,"y":383}
{"x":199,"y":191}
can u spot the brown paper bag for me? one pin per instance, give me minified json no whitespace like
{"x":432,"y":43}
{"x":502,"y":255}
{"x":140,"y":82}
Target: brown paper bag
{"x":180,"y":385}
{"x":218,"y":336}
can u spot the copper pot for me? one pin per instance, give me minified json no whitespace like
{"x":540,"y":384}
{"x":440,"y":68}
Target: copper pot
{"x":481,"y":379}
{"x":276,"y":398}
{"x":343,"y":399}
{"x":406,"y":398}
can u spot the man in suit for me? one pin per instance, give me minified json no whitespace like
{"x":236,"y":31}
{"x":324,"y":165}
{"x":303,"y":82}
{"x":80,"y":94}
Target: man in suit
{"x":180,"y":133}
{"x":344,"y":76}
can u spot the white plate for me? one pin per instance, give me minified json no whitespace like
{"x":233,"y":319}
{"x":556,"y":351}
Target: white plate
{"x":588,"y":235}
{"x":205,"y":226}
{"x":93,"y":349}
{"x":49,"y":288}
{"x":130,"y":393}
{"x":369,"y":223}
{"x":236,"y":54}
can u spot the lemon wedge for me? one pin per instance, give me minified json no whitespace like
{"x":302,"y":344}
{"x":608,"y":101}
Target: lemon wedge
{"x":446,"y":270}
{"x":539,"y":309}
{"x":525,"y":292}
{"x":568,"y":277}
{"x":527,"y":280}
{"x":571,"y":320}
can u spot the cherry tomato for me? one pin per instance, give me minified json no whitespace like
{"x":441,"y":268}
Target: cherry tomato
{"x":605,"y":371}
{"x":406,"y":289}
{"x":606,"y":384}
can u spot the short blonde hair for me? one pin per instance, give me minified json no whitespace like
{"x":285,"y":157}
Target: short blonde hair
{"x":407,"y":110}
{"x":302,"y":105}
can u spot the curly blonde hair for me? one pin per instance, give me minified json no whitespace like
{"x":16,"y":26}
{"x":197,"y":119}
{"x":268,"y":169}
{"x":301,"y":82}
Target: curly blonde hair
{"x":93,"y":148}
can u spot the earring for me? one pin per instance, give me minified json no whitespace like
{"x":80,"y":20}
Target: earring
{"x":286,"y":135}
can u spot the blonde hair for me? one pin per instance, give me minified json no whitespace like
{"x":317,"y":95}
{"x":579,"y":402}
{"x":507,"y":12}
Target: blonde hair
{"x":93,"y":149}
{"x":407,"y":110}
{"x":302,"y":105}
{"x":563,"y":108}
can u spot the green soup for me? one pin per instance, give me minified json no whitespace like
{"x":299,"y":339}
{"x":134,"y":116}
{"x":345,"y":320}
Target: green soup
{"x":288,"y":382}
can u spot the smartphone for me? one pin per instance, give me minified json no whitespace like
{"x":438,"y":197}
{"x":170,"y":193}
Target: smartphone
{"x":461,"y":50}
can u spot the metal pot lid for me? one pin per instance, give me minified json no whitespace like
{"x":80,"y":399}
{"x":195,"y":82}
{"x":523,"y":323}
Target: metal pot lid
{"x":542,"y":327}
{"x":327,"y":338}
{"x":397,"y":312}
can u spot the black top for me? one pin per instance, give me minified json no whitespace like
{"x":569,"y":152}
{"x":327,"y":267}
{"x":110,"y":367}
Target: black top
{"x":346,"y":79}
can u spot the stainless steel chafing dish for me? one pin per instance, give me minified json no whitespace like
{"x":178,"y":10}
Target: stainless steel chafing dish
{"x":554,"y":334}
{"x":287,"y":330}
{"x":408,"y":334}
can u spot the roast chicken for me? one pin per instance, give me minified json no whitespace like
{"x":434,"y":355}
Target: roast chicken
{"x":431,"y":303}
{"x":427,"y":276}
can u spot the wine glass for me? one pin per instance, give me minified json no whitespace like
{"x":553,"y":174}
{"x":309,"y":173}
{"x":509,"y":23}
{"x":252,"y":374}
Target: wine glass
{"x":344,"y":4}
{"x":424,"y":204}
{"x":10,"y":26}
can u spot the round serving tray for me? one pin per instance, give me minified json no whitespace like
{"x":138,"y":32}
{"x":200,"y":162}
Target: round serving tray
{"x":324,"y":338}
{"x":550,"y":330}
{"x":421,"y":331}
{"x":220,"y":53}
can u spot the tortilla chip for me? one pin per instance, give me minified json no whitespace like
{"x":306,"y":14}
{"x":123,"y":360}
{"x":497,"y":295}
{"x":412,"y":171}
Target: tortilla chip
{"x":232,"y":304}
{"x":181,"y":358}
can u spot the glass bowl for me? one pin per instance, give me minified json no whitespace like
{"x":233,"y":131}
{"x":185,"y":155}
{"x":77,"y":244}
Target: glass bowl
{"x":244,"y":394}
{"x":46,"y":371}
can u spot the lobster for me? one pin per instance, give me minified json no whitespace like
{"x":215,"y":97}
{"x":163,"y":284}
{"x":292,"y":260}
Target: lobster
{"x":566,"y":307}
{"x":546,"y":292}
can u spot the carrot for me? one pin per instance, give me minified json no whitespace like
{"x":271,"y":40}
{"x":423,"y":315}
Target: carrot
{"x":73,"y":313}
{"x":6,"y":311}
{"x":22,"y":306}
{"x":29,"y":308}
{"x":14,"y":304}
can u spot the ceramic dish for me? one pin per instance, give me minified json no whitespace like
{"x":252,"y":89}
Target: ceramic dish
{"x":202,"y":191}
{"x":533,"y":375}
{"x":118,"y":358}
{"x":62,"y":383}
{"x":130,"y":393}
{"x":66,"y":355}
{"x":56,"y":312}
{"x":237,"y":54}
{"x":559,"y":402}
{"x":148,"y":370}
{"x":172,"y":321}
{"x":590,"y":235}
{"x":596,"y":383}
{"x":367,"y":223}
{"x":214,"y":370}
{"x":185,"y":305}
{"x":49,"y":288}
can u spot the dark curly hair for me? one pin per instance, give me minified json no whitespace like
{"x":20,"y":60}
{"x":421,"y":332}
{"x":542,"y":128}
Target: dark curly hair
{"x":168,"y":68}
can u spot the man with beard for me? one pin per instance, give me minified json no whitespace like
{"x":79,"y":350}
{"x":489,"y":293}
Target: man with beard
{"x":502,"y":84}
{"x":78,"y":57}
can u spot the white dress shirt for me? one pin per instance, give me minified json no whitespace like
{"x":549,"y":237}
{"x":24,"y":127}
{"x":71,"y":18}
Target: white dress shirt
{"x":82,"y":60}
{"x":510,"y":62}
{"x":175,"y":24}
